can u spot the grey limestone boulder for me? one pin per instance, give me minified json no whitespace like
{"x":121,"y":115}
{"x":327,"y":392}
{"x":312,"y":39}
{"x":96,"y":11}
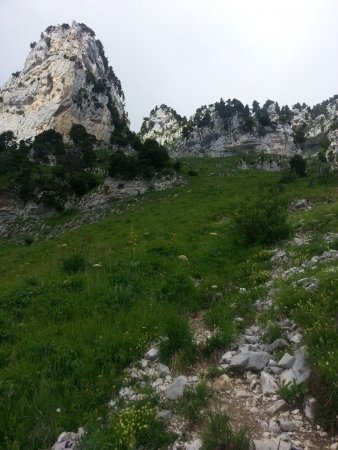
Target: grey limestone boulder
{"x":276,"y":345}
{"x":250,"y":360}
{"x":268,"y":384}
{"x":299,"y":372}
{"x":176,"y":389}
{"x":286,"y":361}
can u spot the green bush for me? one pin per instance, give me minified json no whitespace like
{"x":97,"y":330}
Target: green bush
{"x":298,"y":165}
{"x":219,"y":434}
{"x":126,"y":167}
{"x":73,"y":264}
{"x":82,"y":182}
{"x":262,"y":219}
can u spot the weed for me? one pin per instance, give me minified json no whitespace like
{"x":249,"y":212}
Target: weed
{"x":178,"y":342}
{"x":292,"y":393}
{"x":133,"y":427}
{"x":273,"y":332}
{"x":219,"y":434}
{"x":194,"y":401}
{"x":215,"y":372}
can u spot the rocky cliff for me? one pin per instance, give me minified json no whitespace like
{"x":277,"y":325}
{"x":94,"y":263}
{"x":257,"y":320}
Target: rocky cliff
{"x":66,"y":79}
{"x":228,"y":127}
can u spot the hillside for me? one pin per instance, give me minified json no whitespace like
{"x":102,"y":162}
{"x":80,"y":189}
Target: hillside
{"x":170,"y":268}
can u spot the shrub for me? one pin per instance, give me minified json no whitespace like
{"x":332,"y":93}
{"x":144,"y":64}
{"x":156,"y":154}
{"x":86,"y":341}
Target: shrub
{"x":219,"y":434}
{"x":82,"y":182}
{"x":84,"y":142}
{"x":192,"y":172}
{"x":49,"y":143}
{"x":126,"y":167}
{"x":73,"y":264}
{"x":154,"y":155}
{"x":262,"y":219}
{"x":177,"y":166}
{"x":28,"y":240}
{"x":298,"y":165}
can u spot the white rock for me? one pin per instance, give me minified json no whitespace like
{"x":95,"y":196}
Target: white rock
{"x":193,"y":445}
{"x":268,"y":384}
{"x":152,"y":354}
{"x":277,"y":406}
{"x":176,"y":389}
{"x":286,"y":361}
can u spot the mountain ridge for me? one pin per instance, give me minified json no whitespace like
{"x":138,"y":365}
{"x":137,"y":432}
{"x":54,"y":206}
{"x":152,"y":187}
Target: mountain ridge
{"x":224,"y":128}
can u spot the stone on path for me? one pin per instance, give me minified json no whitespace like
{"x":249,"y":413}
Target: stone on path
{"x":299,"y":372}
{"x":162,"y":370}
{"x":277,"y":406}
{"x":152,"y":354}
{"x":193,"y":445}
{"x":176,"y":389}
{"x":221,"y":383}
{"x":276,"y":345}
{"x":271,"y":444}
{"x":268,"y":383}
{"x":250,"y":361}
{"x":286,"y":361}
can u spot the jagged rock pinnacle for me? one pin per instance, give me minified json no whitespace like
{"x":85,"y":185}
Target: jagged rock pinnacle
{"x":66,"y":79}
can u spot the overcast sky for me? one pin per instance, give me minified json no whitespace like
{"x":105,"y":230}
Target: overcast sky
{"x":187,"y":53}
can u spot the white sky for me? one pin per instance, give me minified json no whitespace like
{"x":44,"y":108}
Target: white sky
{"x":187,"y":53}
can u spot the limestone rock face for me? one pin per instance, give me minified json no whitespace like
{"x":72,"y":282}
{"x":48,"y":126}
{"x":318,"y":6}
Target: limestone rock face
{"x":232,"y":128}
{"x":162,"y":124}
{"x":66,"y":79}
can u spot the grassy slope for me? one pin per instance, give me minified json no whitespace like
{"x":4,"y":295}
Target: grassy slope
{"x":65,"y":338}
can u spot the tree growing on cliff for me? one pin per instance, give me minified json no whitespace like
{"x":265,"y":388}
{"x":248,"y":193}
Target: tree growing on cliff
{"x":84,"y":142}
{"x":7,"y":141}
{"x":49,"y":143}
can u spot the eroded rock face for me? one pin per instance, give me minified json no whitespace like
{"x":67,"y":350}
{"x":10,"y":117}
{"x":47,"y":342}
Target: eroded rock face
{"x":210,"y":133}
{"x":66,"y":79}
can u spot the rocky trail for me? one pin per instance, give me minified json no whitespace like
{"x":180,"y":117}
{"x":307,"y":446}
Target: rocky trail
{"x":247,"y":385}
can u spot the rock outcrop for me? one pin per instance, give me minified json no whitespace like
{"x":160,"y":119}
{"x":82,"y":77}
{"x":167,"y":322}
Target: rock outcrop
{"x":66,"y":79}
{"x":225,"y":128}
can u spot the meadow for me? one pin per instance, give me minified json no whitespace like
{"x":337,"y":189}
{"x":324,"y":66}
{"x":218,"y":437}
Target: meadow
{"x":75,"y":310}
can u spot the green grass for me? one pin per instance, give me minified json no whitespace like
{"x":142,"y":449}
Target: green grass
{"x":219,"y":433}
{"x":66,"y":335}
{"x":193,"y":405}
